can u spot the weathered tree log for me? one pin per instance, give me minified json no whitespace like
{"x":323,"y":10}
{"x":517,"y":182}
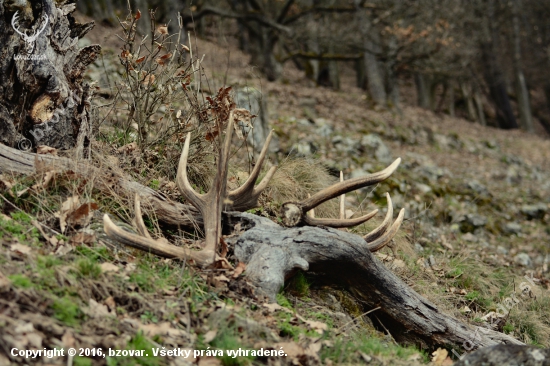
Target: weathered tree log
{"x":507,"y":355}
{"x":42,"y":98}
{"x":272,"y":253}
{"x":106,"y":178}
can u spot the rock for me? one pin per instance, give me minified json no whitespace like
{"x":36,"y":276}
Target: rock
{"x":512,"y":228}
{"x":373,"y":144}
{"x":534,"y":212}
{"x":513,"y":175}
{"x":346,"y":144}
{"x":324,"y":127}
{"x":418,"y":247}
{"x":469,"y":237}
{"x":304,"y":148}
{"x":424,"y":188}
{"x":478,"y":188}
{"x":432,"y":172}
{"x":470,"y":222}
{"x":502,"y":250}
{"x":523,"y":259}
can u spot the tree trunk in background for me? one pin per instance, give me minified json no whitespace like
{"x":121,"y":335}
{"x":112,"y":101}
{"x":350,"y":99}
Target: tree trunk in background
{"x":373,"y":72}
{"x":467,"y":95}
{"x":524,"y":107}
{"x":479,"y":106}
{"x":42,"y":98}
{"x":493,"y":73}
{"x":423,"y":91}
{"x":360,"y":77}
{"x":451,"y":87}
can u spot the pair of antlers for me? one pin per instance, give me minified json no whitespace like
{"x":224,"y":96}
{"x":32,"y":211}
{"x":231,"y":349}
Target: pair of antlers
{"x":218,"y":199}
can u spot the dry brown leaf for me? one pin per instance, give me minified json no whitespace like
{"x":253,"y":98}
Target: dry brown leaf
{"x":20,"y":248}
{"x":220,"y":281}
{"x":128,"y":148}
{"x":81,"y":216}
{"x":66,"y":207}
{"x":108,"y":267}
{"x":210,"y":335}
{"x":138,"y":15}
{"x":110,"y":303}
{"x":440,"y":357}
{"x":319,"y":327}
{"x":241,"y":266}
{"x":68,"y":339}
{"x":163,"y":29}
{"x":82,"y":238}
{"x":140,"y":60}
{"x":95,"y":309}
{"x":224,"y":251}
{"x":43,"y":149}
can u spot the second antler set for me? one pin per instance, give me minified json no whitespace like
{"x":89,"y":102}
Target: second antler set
{"x":218,"y":199}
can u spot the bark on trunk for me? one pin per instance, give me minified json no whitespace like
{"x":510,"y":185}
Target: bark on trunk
{"x":493,"y":73}
{"x":373,"y":72}
{"x":524,"y":106}
{"x":42,"y":98}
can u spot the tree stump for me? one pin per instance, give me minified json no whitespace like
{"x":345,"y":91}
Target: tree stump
{"x":42,"y":98}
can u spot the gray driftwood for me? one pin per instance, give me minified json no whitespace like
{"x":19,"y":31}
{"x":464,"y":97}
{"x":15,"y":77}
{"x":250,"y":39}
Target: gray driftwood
{"x":42,"y":98}
{"x":273,"y":253}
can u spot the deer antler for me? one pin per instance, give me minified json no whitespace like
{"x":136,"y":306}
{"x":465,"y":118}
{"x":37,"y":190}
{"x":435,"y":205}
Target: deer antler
{"x":210,"y":205}
{"x":295,"y":213}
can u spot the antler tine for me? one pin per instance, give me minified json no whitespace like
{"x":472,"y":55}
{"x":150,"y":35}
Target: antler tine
{"x":380,"y":230}
{"x":349,"y":185}
{"x":246,"y":196}
{"x":337,"y":223}
{"x":159,"y":247}
{"x":183,"y":184}
{"x":388,"y":235}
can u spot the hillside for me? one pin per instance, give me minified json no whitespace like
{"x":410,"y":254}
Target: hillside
{"x":477,"y":222}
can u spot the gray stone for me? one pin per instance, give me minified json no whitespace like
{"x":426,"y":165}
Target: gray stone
{"x":502,"y":250}
{"x":345,"y":144}
{"x":424,"y":188}
{"x":374,"y":145}
{"x":536,"y":211}
{"x":512,"y":228}
{"x":523,"y":259}
{"x":418,"y":247}
{"x":324,"y":127}
{"x":513,"y":175}
{"x":470,"y":222}
{"x":478,"y":188}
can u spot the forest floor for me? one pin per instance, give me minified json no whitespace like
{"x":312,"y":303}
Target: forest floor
{"x":475,"y":241}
